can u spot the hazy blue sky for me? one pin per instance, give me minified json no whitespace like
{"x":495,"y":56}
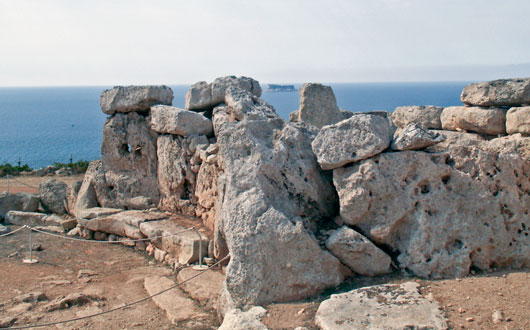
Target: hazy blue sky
{"x":54,"y":42}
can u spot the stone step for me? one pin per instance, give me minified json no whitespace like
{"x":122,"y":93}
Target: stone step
{"x":179,"y":308}
{"x":205,"y":288}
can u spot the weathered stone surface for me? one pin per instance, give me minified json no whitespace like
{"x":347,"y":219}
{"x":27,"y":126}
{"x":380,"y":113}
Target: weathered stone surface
{"x":177,"y":306}
{"x":202,"y":95}
{"x":318,"y":106}
{"x":362,"y":136}
{"x":71,"y":196}
{"x":443,"y":213}
{"x":380,"y":307}
{"x":518,"y":121}
{"x":176,"y":180}
{"x":4,"y":230}
{"x":96,"y":212}
{"x":18,"y":202}
{"x":53,"y":196}
{"x":272,"y":192}
{"x":206,"y":192}
{"x":427,"y":115}
{"x":129,"y":162}
{"x":489,"y":121}
{"x":178,"y":241}
{"x":358,"y":253}
{"x":415,"y":136}
{"x":172,"y":120}
{"x":502,"y":92}
{"x":134,"y":98}
{"x":236,"y":319}
{"x":21,"y":218}
{"x":86,"y":196}
{"x":205,"y":290}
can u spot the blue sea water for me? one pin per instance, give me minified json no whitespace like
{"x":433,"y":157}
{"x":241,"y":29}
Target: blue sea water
{"x":43,"y":125}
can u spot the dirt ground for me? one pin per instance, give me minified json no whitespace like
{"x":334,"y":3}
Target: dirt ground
{"x":30,"y":184}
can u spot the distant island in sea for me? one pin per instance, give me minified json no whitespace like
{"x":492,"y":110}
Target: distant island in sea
{"x":281,"y":88}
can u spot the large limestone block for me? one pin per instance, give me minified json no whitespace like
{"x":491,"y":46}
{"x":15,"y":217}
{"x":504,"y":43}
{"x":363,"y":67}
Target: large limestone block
{"x":237,"y":319}
{"x":427,"y":115}
{"x":318,"y":106}
{"x":129,"y":162}
{"x":38,"y":219}
{"x":134,"y":98}
{"x":362,"y":136}
{"x":202,"y":95}
{"x":205,"y":290}
{"x":442,"y":213}
{"x":271,"y":193}
{"x":18,"y":202}
{"x":489,"y":121}
{"x":388,"y":307}
{"x":172,"y":120}
{"x":415,"y":136}
{"x":358,"y":253}
{"x":518,"y":121}
{"x":206,"y":191}
{"x":53,"y":196}
{"x":502,"y":92}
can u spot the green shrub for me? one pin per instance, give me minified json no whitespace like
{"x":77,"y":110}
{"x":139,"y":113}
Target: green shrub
{"x":8,"y":169}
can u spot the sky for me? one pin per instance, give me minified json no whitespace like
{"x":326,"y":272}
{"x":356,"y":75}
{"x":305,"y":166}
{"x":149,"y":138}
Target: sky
{"x":120,"y":42}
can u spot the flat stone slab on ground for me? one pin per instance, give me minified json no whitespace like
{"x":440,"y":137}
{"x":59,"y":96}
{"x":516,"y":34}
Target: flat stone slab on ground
{"x":388,"y":307}
{"x":205,"y":288}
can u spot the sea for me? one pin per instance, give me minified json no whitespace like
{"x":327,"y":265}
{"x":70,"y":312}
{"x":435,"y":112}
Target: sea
{"x":43,"y":125}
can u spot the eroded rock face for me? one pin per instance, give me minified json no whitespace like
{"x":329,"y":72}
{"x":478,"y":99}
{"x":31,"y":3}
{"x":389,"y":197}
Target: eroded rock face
{"x":489,"y":121}
{"x":272,"y":192}
{"x":172,"y":120}
{"x":202,"y":95}
{"x":518,"y":121}
{"x":53,"y":196}
{"x":18,"y":202}
{"x":389,"y":307}
{"x":134,"y":98}
{"x":415,"y":136}
{"x":362,"y":136}
{"x":427,"y":115}
{"x":129,"y":162}
{"x":358,"y":253}
{"x":237,"y":319}
{"x":443,"y":212}
{"x":318,"y":106}
{"x":502,"y":92}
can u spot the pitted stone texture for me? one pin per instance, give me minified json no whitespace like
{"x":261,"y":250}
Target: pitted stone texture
{"x":126,"y":223}
{"x":18,"y":202}
{"x":176,"y":179}
{"x":206,"y":192}
{"x":490,"y":121}
{"x":518,"y":121}
{"x":502,"y":92}
{"x":442,"y":212}
{"x":415,"y":136}
{"x":205,"y":290}
{"x":237,"y":319}
{"x":318,"y":106}
{"x":362,"y":136}
{"x":134,"y":98}
{"x":202,"y":95}
{"x":427,"y":115}
{"x":358,"y":253}
{"x":129,"y":162}
{"x":53,"y":196}
{"x":272,"y":192}
{"x":172,"y":120}
{"x":381,"y":307}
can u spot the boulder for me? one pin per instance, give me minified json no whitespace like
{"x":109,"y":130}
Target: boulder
{"x":427,"y":115}
{"x":237,"y":319}
{"x":171,"y":120}
{"x":202,"y":95}
{"x":490,"y":121}
{"x":442,"y":213}
{"x":53,"y":196}
{"x":502,"y":92}
{"x":389,"y":307}
{"x":134,"y":98}
{"x":272,"y":192}
{"x":358,"y":253}
{"x":318,"y":106}
{"x":518,"y":121}
{"x":18,"y":202}
{"x":362,"y":136}
{"x":129,"y":162}
{"x":415,"y":136}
